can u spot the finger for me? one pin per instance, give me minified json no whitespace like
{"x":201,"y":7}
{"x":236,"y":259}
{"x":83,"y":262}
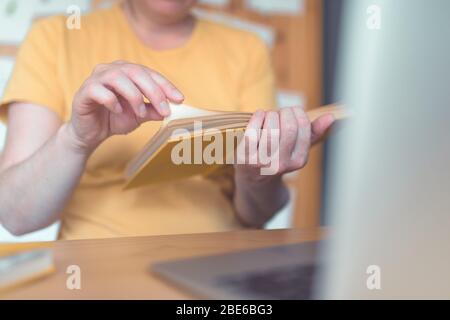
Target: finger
{"x":150,"y":89}
{"x":152,"y":114}
{"x":301,"y":150}
{"x":248,"y":148}
{"x":288,"y":133}
{"x":122,"y":85}
{"x":101,"y":95}
{"x":169,"y":89}
{"x":269,"y":141}
{"x":320,"y":126}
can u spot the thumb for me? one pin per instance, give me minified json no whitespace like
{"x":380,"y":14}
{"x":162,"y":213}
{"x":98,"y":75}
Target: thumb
{"x":320,"y":126}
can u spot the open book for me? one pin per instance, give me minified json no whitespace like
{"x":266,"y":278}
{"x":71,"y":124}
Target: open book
{"x":178,"y":149}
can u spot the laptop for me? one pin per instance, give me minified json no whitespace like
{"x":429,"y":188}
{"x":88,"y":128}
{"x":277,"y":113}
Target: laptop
{"x":281,"y":272}
{"x":389,"y":195}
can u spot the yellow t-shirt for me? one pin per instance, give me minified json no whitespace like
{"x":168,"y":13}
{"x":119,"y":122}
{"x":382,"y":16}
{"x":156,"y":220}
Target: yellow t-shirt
{"x":219,"y":68}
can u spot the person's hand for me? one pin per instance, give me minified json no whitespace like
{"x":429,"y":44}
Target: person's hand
{"x":111,"y":102}
{"x":276,"y":143}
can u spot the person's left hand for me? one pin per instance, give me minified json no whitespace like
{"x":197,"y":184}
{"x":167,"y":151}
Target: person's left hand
{"x":276,"y":143}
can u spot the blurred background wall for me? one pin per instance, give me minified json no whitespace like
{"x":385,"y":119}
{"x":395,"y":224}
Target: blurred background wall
{"x":302,"y":37}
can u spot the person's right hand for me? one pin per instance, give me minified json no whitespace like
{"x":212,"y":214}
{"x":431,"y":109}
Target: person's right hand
{"x":111,"y":102}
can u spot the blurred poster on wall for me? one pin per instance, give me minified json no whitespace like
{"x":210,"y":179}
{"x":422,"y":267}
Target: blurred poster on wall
{"x":266,"y":33}
{"x":273,"y":7}
{"x":217,"y":3}
{"x":15,"y":19}
{"x":290,"y":98}
{"x":16,"y":16}
{"x":52,"y":7}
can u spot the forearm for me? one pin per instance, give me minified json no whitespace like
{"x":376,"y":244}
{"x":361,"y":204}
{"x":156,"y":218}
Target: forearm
{"x":34,"y":191}
{"x":256,"y":202}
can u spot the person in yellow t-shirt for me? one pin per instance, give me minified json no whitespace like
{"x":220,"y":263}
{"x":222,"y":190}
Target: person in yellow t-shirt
{"x":76,"y":114}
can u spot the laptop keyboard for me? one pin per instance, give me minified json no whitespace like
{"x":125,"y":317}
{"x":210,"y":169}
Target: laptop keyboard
{"x":283,"y":283}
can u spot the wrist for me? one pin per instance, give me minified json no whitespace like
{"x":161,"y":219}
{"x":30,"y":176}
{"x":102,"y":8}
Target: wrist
{"x":253,"y":177}
{"x":256,"y":200}
{"x":261,"y":187}
{"x":70,"y":140}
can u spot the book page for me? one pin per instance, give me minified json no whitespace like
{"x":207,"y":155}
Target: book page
{"x":184,"y":111}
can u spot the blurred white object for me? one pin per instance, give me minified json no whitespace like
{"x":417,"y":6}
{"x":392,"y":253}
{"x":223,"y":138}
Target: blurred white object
{"x":15,"y":19}
{"x":284,"y":7}
{"x":2,"y":136}
{"x":284,"y":218}
{"x":217,"y":3}
{"x":389,"y":201}
{"x":16,"y":16}
{"x":6,"y":67}
{"x":265,"y":33}
{"x":23,"y":267}
{"x":48,"y":234}
{"x":288,"y":98}
{"x":52,"y":7}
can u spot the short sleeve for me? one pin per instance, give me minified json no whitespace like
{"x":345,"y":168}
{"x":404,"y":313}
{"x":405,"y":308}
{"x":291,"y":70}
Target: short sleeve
{"x":35,"y":75}
{"x":258,"y":83}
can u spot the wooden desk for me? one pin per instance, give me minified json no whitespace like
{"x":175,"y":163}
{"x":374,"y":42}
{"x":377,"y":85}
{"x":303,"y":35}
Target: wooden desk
{"x":119,"y":268}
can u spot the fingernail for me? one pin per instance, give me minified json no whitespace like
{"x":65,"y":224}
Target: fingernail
{"x":177,"y":95}
{"x":142,"y":110}
{"x":165,"y":109}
